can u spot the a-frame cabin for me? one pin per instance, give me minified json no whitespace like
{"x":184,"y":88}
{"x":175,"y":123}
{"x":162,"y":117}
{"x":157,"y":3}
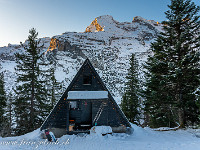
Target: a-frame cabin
{"x":86,"y":103}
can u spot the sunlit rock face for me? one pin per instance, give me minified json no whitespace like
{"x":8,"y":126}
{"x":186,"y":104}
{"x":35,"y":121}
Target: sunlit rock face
{"x":58,"y":45}
{"x":94,"y":27}
{"x":54,"y":43}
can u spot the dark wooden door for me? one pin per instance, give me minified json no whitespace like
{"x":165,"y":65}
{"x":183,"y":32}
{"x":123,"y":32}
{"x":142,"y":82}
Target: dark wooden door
{"x":86,"y":115}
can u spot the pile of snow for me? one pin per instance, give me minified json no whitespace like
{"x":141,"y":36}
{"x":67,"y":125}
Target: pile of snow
{"x":100,"y":130}
{"x":87,"y":94}
{"x":35,"y":135}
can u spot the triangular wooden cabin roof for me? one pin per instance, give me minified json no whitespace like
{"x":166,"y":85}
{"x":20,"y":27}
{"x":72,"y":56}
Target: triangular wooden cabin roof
{"x":61,"y":105}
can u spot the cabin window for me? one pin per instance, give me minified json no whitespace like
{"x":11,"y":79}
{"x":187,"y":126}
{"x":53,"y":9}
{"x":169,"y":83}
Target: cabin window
{"x":87,"y":80}
{"x":73,"y":105}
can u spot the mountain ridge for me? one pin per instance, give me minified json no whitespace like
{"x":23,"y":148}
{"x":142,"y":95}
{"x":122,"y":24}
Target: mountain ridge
{"x":109,"y":50}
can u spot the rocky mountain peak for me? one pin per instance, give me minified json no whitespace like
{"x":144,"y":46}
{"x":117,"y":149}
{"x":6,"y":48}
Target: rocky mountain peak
{"x":94,"y":27}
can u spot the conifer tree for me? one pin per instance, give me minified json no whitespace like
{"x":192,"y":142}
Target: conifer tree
{"x":173,"y":70}
{"x":159,"y":101}
{"x":2,"y":102}
{"x":9,"y":115}
{"x":31,"y":100}
{"x":130,"y":102}
{"x":54,"y":87}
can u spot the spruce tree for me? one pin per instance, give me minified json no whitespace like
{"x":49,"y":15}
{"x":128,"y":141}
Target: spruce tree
{"x":9,"y":114}
{"x":173,"y":71}
{"x":31,"y":100}
{"x":159,"y":101}
{"x":54,"y":87}
{"x":2,"y":102}
{"x":130,"y":102}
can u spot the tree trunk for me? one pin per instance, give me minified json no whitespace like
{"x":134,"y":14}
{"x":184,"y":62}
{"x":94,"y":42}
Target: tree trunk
{"x":181,"y":114}
{"x":32,"y":96}
{"x":10,"y":117}
{"x":181,"y":118}
{"x":146,"y":119}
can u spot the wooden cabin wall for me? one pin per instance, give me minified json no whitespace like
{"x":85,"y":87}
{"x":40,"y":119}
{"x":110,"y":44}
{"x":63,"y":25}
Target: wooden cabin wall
{"x":110,"y":115}
{"x":115,"y":118}
{"x":103,"y":119}
{"x":58,"y":117}
{"x":79,"y":86}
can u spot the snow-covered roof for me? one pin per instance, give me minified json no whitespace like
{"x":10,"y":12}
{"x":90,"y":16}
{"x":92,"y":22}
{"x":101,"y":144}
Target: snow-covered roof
{"x":87,"y":94}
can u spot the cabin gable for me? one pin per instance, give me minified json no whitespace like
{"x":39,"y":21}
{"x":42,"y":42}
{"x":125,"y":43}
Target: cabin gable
{"x":85,"y":103}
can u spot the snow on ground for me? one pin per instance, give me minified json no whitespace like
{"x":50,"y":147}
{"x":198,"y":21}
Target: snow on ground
{"x":141,"y":139}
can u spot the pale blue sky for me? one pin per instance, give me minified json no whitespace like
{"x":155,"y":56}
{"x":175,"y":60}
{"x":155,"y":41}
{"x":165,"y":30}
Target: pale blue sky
{"x":53,"y":17}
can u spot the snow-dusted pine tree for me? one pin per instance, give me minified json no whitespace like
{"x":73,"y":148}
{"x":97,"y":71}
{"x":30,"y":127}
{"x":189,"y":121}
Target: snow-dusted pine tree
{"x":2,"y":102}
{"x":130,"y":101}
{"x":31,"y":106}
{"x":9,"y":115}
{"x":54,"y":88}
{"x":174,"y":71}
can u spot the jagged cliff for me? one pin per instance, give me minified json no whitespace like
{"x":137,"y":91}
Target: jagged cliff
{"x":109,"y":51}
{"x":94,"y":27}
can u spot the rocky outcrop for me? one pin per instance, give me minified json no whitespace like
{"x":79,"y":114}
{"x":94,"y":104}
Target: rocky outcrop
{"x":54,"y":44}
{"x":64,"y":45}
{"x":94,"y":27}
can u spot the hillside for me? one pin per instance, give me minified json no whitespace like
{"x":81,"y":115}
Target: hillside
{"x":107,"y":43}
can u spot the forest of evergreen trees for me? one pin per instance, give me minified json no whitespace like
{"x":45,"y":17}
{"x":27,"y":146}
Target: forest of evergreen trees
{"x":172,"y":73}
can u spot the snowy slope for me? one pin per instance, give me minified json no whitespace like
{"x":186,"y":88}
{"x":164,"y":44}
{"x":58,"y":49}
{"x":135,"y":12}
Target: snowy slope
{"x":7,"y":60}
{"x":141,"y":139}
{"x":108,"y":50}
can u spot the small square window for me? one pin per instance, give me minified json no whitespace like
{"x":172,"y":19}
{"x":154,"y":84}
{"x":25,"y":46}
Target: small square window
{"x":87,"y":80}
{"x":73,"y":105}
